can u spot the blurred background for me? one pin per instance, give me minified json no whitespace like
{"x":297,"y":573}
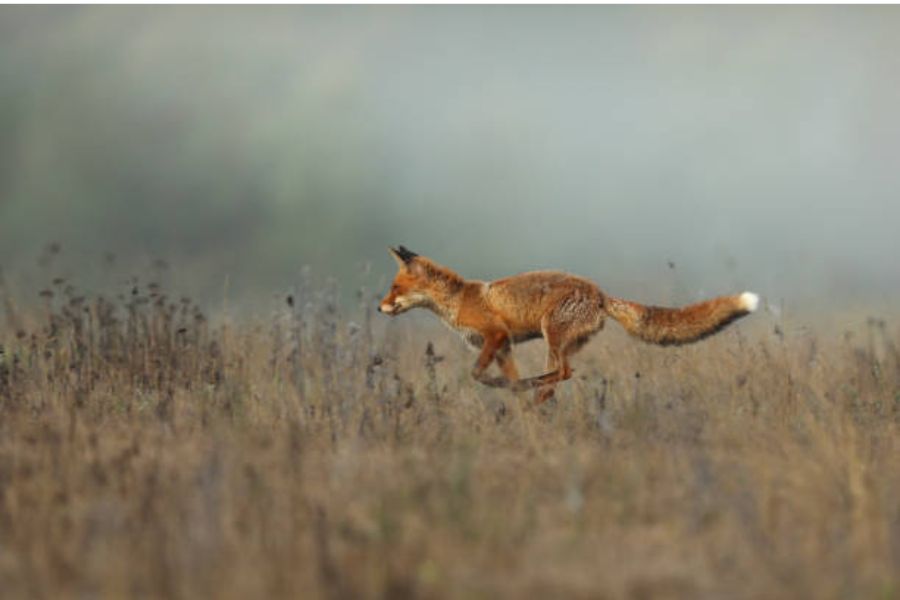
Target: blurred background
{"x":669,"y":153}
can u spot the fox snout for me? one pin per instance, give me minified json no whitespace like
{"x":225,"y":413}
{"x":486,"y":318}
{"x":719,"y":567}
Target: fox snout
{"x":394,"y":304}
{"x":387,"y":308}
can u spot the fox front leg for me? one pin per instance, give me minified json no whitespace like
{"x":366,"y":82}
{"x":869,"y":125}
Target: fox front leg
{"x":506,"y":363}
{"x":492,"y":343}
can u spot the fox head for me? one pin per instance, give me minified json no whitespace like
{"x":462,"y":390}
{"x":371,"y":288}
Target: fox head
{"x":410,"y":285}
{"x":419,"y":282}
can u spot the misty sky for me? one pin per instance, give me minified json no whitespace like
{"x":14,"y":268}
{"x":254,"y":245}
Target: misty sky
{"x":754,"y":147}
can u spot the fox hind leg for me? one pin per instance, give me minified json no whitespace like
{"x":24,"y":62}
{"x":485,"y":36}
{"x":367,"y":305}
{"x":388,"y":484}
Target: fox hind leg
{"x":557,"y":365}
{"x":546,"y":392}
{"x":549,"y":380}
{"x":558,"y":368}
{"x":564,"y":337}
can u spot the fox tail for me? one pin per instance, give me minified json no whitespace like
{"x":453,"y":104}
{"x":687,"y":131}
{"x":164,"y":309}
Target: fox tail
{"x":673,"y":326}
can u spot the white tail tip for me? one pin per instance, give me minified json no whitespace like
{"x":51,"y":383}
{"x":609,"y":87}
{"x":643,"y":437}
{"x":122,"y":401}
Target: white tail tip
{"x":749,"y":301}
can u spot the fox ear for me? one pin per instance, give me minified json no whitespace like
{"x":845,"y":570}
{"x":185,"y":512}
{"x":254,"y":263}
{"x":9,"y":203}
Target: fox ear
{"x":402,"y":255}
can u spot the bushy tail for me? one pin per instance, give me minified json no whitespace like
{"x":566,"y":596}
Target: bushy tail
{"x":668,"y":326}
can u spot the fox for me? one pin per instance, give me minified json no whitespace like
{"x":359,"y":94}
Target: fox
{"x":566,"y":310}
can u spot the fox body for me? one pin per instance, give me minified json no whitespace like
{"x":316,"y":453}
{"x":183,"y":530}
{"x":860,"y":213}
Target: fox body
{"x":566,"y":310}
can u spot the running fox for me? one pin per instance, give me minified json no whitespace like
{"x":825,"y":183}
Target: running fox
{"x":566,"y":310}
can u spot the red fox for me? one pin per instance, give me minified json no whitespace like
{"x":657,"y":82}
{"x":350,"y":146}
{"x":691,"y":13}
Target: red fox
{"x":566,"y":310}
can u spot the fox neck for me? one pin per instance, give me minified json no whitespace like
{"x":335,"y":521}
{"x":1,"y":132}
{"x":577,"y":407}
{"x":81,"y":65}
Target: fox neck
{"x":446,"y":304}
{"x":446,"y":308}
{"x":446,"y":292}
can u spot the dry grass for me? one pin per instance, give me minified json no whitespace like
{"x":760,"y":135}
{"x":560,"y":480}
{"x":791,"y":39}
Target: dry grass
{"x":147,"y":452}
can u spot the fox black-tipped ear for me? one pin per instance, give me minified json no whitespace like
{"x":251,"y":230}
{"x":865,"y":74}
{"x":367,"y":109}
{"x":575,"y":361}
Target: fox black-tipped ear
{"x":403,"y":254}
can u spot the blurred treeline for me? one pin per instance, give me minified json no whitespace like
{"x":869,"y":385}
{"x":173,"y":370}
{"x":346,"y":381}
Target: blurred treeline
{"x":743,"y":146}
{"x":132,"y":133}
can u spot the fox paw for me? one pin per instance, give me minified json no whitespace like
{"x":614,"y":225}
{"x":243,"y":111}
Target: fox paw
{"x":495,"y":382}
{"x":542,"y":395}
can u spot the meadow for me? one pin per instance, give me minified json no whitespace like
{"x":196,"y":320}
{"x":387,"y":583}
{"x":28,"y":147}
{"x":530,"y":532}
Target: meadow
{"x":149,"y":449}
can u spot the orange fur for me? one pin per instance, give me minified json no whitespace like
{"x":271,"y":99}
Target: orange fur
{"x":566,"y":310}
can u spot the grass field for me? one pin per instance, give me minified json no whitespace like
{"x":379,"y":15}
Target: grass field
{"x":147,"y":450}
